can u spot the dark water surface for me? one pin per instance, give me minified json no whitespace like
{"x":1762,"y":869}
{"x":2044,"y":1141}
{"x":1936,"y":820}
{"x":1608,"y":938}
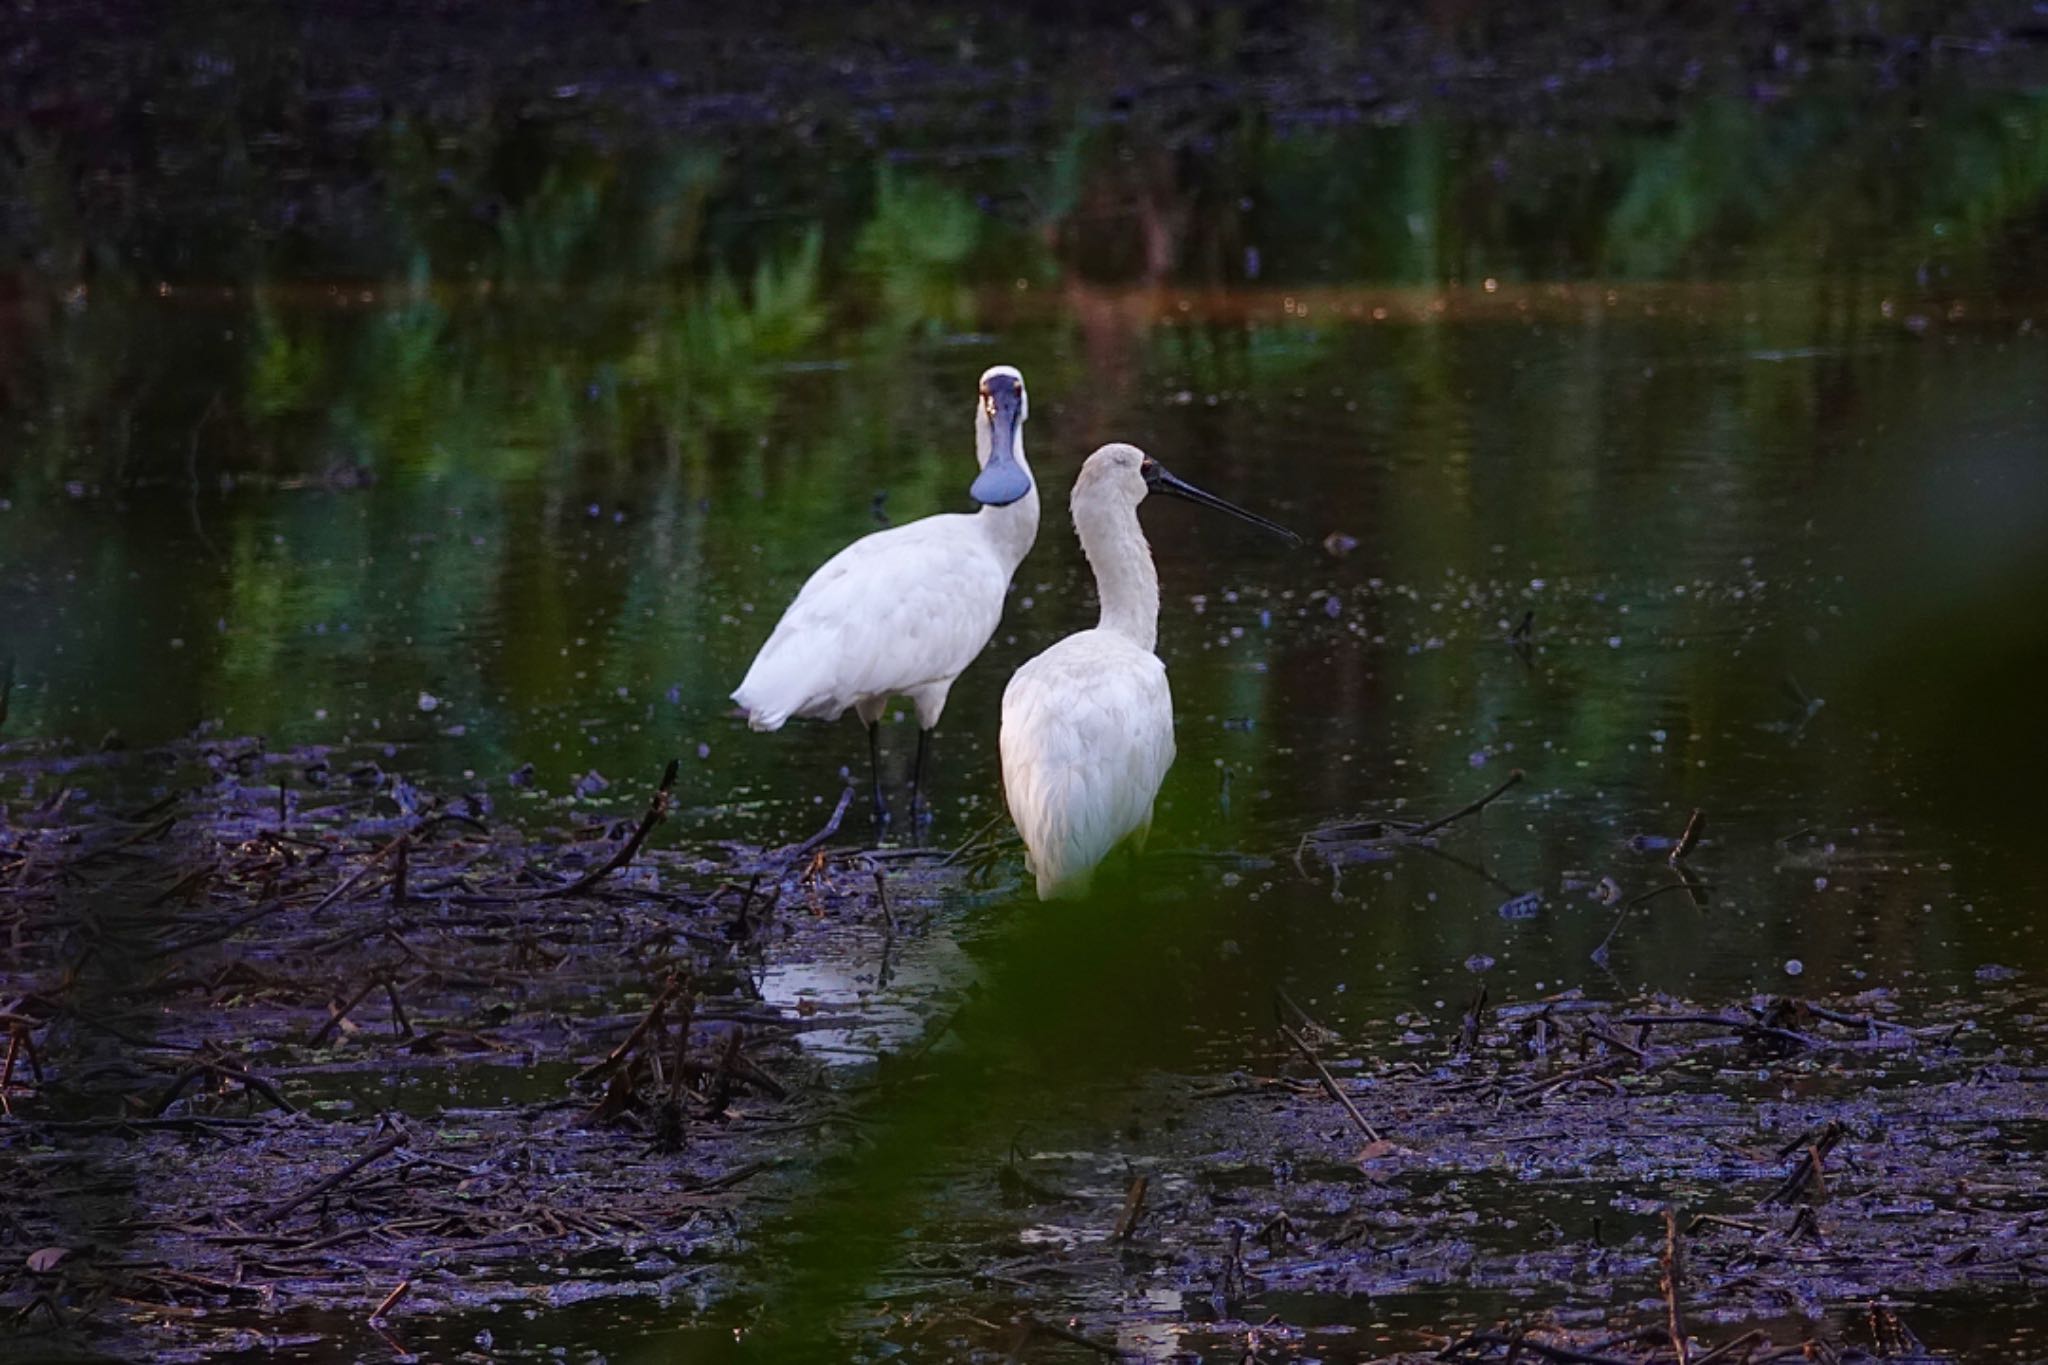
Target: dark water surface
{"x":496,"y":433}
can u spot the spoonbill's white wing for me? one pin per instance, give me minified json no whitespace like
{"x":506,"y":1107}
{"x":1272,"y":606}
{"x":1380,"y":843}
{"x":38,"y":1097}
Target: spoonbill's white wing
{"x":1087,"y":737}
{"x":901,"y":611}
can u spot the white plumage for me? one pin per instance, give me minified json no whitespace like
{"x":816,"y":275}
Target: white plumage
{"x":904,"y":611}
{"x":1087,"y":738}
{"x":1087,"y":732}
{"x":899,"y":613}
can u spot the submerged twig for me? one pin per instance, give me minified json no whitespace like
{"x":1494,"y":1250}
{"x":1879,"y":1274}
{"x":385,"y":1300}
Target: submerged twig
{"x":831,"y":828}
{"x":1330,"y":1083}
{"x":632,"y":1040}
{"x":1388,"y":829}
{"x":320,"y":1187}
{"x":1471,"y":808}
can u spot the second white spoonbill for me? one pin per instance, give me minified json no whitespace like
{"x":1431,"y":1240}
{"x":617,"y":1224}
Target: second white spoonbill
{"x":902,"y":612}
{"x":1087,"y":732}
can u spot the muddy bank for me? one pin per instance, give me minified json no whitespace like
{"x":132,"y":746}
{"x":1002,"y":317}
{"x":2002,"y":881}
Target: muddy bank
{"x":1828,"y":1181}
{"x":296,"y":1040}
{"x":304,"y":1059}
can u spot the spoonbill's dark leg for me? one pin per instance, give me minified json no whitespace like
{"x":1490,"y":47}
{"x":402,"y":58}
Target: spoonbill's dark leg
{"x":918,"y":814}
{"x":875,"y":772}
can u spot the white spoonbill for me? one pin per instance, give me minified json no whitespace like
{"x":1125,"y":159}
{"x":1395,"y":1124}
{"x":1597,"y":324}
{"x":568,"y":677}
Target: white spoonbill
{"x":1087,"y":731}
{"x":903,"y":612}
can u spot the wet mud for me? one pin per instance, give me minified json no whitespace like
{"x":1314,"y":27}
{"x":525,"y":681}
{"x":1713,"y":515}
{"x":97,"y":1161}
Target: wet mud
{"x":302,"y":1056}
{"x":295,"y":1038}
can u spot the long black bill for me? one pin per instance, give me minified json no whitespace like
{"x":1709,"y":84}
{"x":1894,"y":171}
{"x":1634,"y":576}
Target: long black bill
{"x":1002,"y":480}
{"x":1159,"y":481}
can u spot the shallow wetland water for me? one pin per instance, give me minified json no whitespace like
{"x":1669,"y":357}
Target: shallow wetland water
{"x":404,"y":456}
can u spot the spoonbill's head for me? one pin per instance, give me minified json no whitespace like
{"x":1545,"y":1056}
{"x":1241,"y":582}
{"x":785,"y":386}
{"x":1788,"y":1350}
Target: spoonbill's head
{"x":999,"y":438}
{"x":1127,"y":474}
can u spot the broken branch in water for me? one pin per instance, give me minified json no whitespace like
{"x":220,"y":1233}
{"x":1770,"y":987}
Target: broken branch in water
{"x":320,"y":1187}
{"x":1694,"y":827}
{"x":1807,"y":1180}
{"x":1692,"y":887}
{"x":988,"y":827}
{"x":1673,"y":1268}
{"x":334,"y":1019}
{"x":1311,"y":1027}
{"x":1519,"y":1341}
{"x":1472,"y":808}
{"x":1330,"y":1083}
{"x":624,"y":1049}
{"x":215,"y":1065}
{"x":657,"y":811}
{"x":1029,"y":1327}
{"x":390,"y":1300}
{"x":1386,"y":829}
{"x":831,"y":828}
{"x":1134,"y":1205}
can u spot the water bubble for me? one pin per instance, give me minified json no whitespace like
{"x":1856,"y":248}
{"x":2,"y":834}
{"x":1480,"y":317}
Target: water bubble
{"x":1794,"y":967}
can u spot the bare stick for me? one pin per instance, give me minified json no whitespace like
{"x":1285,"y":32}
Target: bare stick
{"x":624,"y":1049}
{"x":1330,"y":1083}
{"x":1728,"y":1348}
{"x":1747,"y":1027}
{"x":1134,"y":1204}
{"x":1687,"y":841}
{"x":398,"y":1019}
{"x":682,"y":1059}
{"x":391,"y":1300}
{"x":831,"y":828}
{"x":1599,"y":954}
{"x":1472,"y":809}
{"x":1309,"y":1024}
{"x":882,"y":895}
{"x":334,"y":1019}
{"x":398,"y":866}
{"x":1518,"y":1342}
{"x":987,"y":827}
{"x":255,"y":1083}
{"x":320,"y":1187}
{"x":338,"y":892}
{"x":657,"y":811}
{"x":220,"y":1066}
{"x":1067,"y":1334}
{"x":1673,"y":1268}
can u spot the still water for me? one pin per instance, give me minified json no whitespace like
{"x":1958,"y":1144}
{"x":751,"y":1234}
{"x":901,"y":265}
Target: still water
{"x":516,"y":461}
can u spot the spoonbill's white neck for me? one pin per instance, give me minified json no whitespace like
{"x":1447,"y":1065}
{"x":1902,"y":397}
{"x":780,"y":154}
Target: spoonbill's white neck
{"x":1013,"y":527}
{"x":1125,"y":578}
